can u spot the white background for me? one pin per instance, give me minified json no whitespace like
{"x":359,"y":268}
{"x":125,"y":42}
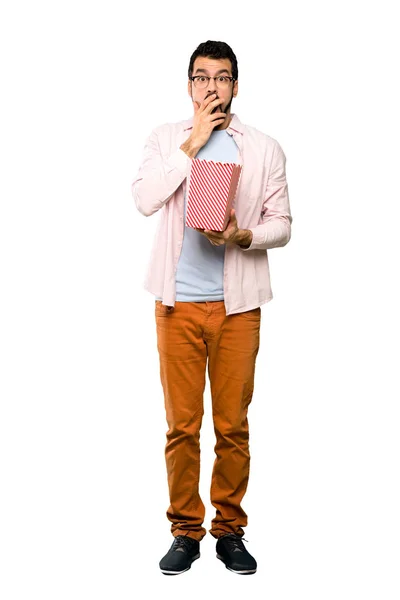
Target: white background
{"x":84,"y":487}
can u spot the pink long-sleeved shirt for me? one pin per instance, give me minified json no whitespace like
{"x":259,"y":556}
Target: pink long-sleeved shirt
{"x":261,"y":205}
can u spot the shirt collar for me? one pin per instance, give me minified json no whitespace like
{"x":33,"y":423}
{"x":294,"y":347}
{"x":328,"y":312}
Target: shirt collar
{"x":235,"y":126}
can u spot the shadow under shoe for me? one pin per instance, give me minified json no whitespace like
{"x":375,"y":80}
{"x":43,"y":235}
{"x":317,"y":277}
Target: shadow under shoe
{"x":232,"y":552}
{"x":183,"y":551}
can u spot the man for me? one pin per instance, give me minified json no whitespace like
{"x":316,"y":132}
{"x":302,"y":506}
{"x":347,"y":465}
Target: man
{"x":208,"y":289}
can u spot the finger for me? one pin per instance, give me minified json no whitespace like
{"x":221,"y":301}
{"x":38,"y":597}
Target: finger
{"x":217,"y":122}
{"x":206,"y":101}
{"x":211,"y":98}
{"x":215,"y":101}
{"x":213,"y":105}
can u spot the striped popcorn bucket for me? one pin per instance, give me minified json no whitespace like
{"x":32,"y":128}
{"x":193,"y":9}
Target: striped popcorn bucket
{"x":212,"y":189}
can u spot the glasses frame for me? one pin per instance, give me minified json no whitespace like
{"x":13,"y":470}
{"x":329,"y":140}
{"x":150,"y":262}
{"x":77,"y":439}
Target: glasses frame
{"x":208,"y":77}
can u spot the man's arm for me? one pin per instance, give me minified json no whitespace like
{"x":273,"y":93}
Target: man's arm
{"x":158,"y":178}
{"x":275,"y":229}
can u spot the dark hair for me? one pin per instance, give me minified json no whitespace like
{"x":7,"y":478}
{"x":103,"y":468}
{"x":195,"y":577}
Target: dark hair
{"x":216,"y":50}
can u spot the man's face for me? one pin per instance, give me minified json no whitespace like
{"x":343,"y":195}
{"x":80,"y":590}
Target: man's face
{"x":211,"y":68}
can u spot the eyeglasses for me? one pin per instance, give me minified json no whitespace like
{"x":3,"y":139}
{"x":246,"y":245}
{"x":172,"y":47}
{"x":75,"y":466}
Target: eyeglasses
{"x":201,"y":81}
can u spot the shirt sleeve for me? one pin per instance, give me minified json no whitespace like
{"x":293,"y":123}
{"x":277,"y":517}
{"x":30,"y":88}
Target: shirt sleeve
{"x":158,"y":177}
{"x":275,"y":229}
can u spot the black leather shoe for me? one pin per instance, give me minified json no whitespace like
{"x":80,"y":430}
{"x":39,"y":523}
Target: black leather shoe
{"x":179,"y":558}
{"x":231,"y":550}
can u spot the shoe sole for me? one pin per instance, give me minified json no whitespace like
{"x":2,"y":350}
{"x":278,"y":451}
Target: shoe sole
{"x":247,"y":572}
{"x":165,"y":572}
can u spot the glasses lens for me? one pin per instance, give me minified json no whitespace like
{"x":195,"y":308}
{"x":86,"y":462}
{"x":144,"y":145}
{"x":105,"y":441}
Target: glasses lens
{"x":200,"y":82}
{"x":222,"y":82}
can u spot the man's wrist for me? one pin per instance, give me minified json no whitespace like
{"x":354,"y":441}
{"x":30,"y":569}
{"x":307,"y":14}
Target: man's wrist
{"x":189,"y":148}
{"x":244,"y":238}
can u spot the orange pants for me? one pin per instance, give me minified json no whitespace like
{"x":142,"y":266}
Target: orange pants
{"x":187,"y":334}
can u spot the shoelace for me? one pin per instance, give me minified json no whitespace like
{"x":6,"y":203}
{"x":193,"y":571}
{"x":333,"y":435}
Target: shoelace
{"x":235,"y":542}
{"x":182,"y":541}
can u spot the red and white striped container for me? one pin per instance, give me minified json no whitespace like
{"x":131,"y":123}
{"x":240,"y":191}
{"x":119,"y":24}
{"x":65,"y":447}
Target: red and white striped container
{"x":212,"y":189}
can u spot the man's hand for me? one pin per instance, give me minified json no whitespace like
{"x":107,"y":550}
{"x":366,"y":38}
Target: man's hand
{"x":204,"y":120}
{"x":230,"y":234}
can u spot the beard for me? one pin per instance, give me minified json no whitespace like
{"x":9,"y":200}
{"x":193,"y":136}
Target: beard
{"x":228,"y":106}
